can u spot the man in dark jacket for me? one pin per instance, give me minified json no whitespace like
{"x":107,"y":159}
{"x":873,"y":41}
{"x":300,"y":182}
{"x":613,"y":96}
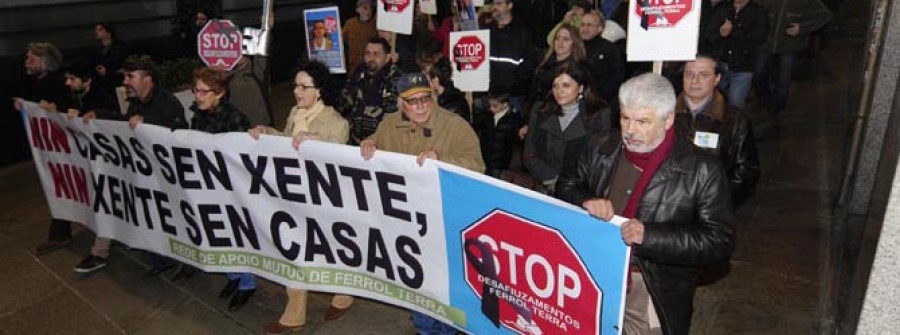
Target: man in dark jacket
{"x":47,"y":87}
{"x":512,"y":65}
{"x":703,"y":117}
{"x":603,"y":57}
{"x":149,"y":102}
{"x":675,"y":200}
{"x":790,"y":25}
{"x":735,"y":32}
{"x":371,"y":91}
{"x":88,"y":100}
{"x":448,"y":96}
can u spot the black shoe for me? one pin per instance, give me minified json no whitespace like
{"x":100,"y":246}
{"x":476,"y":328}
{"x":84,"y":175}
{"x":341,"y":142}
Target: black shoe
{"x":240,"y":299}
{"x":229,"y":288}
{"x":184,"y":272}
{"x":90,"y":264}
{"x":156,"y":270}
{"x":51,"y":245}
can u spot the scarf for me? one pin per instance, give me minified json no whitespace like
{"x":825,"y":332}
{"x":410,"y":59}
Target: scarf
{"x":303,"y":117}
{"x":648,"y":163}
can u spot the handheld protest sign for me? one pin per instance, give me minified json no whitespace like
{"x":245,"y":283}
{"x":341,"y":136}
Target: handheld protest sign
{"x":470,"y":57}
{"x":219,"y":44}
{"x":663,"y":30}
{"x":395,"y":16}
{"x":323,"y":37}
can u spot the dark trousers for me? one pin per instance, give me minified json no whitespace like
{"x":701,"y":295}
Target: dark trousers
{"x":60,"y":230}
{"x":773,"y":79}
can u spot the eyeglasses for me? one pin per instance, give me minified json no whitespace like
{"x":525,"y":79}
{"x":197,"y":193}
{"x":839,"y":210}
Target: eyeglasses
{"x":423,"y":100}
{"x":201,"y":91}
{"x":303,"y":87}
{"x":703,"y":76}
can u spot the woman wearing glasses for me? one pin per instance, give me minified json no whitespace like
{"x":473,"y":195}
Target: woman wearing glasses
{"x":215,"y":114}
{"x":311,"y":119}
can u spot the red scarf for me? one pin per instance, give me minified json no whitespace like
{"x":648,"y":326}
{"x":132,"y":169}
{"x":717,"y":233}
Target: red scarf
{"x":648,"y":163}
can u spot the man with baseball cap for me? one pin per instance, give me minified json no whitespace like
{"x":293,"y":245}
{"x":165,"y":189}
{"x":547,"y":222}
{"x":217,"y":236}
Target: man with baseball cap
{"x":430,"y":132}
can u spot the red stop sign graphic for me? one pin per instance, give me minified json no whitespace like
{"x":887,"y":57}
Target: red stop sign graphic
{"x":529,"y":278}
{"x":662,"y":13}
{"x":219,"y":44}
{"x":469,"y":53}
{"x":395,"y":6}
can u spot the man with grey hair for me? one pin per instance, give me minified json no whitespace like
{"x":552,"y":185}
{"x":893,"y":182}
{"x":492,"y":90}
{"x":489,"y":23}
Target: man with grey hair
{"x":675,"y":199}
{"x":47,"y":86}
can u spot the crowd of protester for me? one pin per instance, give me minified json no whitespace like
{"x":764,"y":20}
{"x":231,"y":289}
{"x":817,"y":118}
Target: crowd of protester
{"x":565,"y":115}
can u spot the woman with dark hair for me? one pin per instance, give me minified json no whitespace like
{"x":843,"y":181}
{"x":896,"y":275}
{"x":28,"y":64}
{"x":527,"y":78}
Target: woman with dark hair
{"x":311,"y":119}
{"x":567,"y":45}
{"x":563,"y":124}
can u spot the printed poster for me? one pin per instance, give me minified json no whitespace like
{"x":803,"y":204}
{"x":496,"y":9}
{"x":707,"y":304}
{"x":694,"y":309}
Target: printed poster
{"x":323,"y":37}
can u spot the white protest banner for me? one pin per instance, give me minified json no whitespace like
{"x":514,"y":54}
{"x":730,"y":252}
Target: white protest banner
{"x":323,"y":37}
{"x":395,"y":16}
{"x":474,"y":252}
{"x":428,"y":6}
{"x":663,"y":30}
{"x":469,"y":54}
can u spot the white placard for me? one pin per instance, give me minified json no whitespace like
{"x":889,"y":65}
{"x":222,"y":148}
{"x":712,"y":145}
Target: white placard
{"x":428,"y":6}
{"x":395,"y":16}
{"x":667,"y":31}
{"x":470,"y":56}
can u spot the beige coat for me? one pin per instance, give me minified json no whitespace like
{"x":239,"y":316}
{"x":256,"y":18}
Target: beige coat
{"x":447,"y":133}
{"x":327,"y":124}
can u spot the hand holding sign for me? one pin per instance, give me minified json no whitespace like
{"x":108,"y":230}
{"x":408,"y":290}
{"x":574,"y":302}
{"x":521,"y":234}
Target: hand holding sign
{"x":725,"y":29}
{"x":793,"y":29}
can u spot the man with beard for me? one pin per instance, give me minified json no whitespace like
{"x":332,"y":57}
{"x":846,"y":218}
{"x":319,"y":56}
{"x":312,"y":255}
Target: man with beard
{"x":148,"y":102}
{"x":90,"y":102}
{"x":675,"y":200}
{"x":46,"y":84}
{"x":371,"y":91}
{"x":47,"y":87}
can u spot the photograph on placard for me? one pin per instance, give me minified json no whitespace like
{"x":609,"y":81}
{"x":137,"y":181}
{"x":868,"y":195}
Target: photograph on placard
{"x":323,"y":37}
{"x":466,"y":14}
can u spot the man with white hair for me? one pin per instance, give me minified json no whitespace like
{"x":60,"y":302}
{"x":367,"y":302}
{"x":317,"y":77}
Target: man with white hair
{"x":675,"y":199}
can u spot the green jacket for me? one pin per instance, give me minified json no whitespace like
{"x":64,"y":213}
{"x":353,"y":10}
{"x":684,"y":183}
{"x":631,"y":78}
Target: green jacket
{"x":812,"y":15}
{"x":444,"y":132}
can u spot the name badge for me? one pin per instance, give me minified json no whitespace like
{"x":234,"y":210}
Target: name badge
{"x":706,"y":140}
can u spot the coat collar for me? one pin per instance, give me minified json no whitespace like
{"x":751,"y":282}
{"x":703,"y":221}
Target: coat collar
{"x":715,"y":110}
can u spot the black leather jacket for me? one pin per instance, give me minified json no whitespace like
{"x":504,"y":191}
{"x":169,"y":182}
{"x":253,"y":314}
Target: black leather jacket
{"x":736,"y":147}
{"x":687,"y":215}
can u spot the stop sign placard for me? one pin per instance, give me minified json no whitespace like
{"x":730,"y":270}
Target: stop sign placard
{"x":662,"y":13}
{"x":469,"y":53}
{"x":529,"y":278}
{"x":219,"y":44}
